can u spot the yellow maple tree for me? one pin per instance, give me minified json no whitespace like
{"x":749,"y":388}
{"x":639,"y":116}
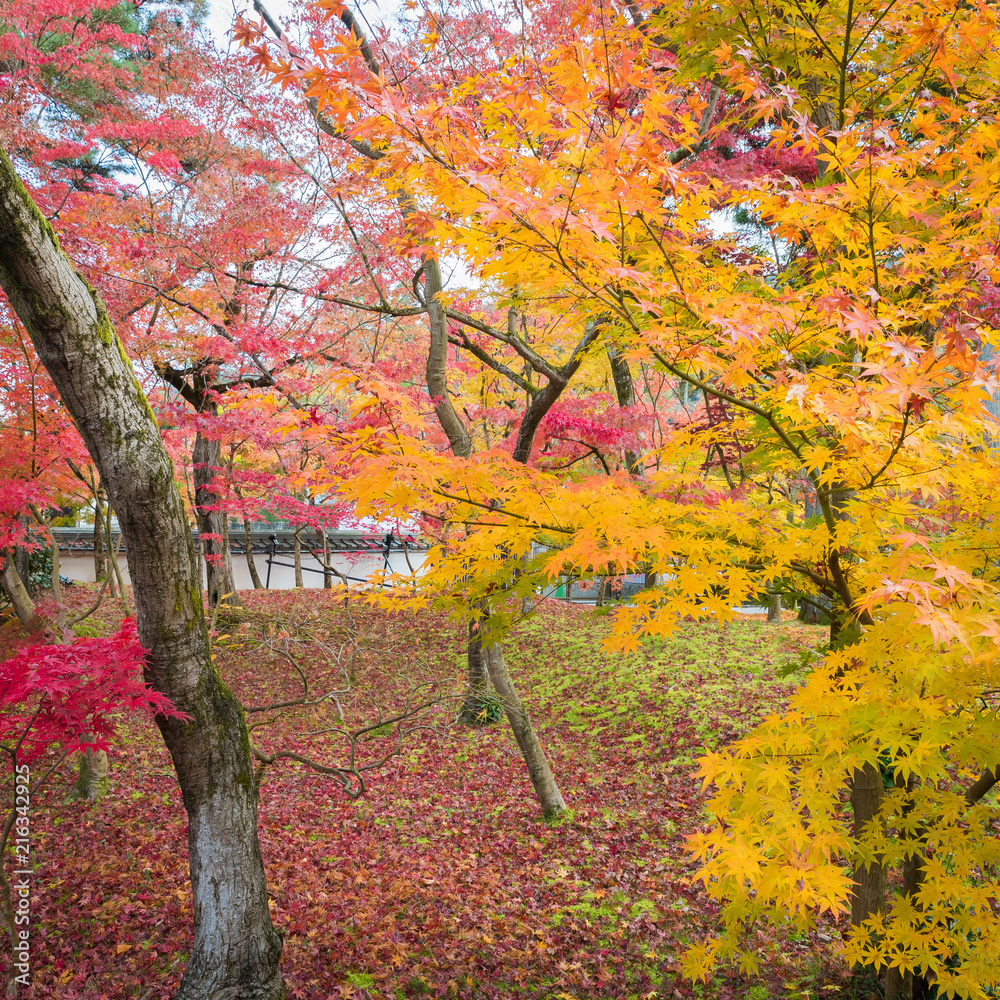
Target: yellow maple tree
{"x":840,"y":333}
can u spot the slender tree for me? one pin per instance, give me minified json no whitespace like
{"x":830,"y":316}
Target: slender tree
{"x":236,"y":949}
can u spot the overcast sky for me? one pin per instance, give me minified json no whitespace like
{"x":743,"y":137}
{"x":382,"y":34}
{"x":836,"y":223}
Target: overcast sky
{"x":222,"y":13}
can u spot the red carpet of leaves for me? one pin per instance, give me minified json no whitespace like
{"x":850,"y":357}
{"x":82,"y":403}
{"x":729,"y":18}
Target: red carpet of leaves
{"x":442,"y":880}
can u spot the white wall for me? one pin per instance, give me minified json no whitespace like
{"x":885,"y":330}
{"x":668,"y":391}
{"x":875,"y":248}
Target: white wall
{"x":80,"y":566}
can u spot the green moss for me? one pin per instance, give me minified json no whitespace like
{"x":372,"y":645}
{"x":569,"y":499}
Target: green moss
{"x":104,"y":330}
{"x":361,"y":980}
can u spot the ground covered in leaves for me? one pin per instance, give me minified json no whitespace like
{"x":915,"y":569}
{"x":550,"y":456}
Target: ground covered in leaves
{"x":441,"y":879}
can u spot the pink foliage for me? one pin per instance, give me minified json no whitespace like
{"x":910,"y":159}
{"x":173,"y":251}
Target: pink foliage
{"x":68,"y":695}
{"x":577,"y":426}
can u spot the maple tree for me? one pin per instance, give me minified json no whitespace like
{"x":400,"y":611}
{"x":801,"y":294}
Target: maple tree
{"x":846,"y":348}
{"x":161,"y":259}
{"x":159,"y":191}
{"x":499,"y":338}
{"x":73,"y":336}
{"x":64,"y":697}
{"x":36,"y":439}
{"x":580,"y":162}
{"x":485,"y":664}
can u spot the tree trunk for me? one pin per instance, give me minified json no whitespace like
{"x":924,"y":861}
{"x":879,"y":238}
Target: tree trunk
{"x":297,"y":559}
{"x":602,"y":583}
{"x":813,"y":611}
{"x":92,"y":779}
{"x":100,"y":556}
{"x":477,"y":686}
{"x":56,"y":583}
{"x":251,"y":565}
{"x":869,"y":897}
{"x":461,"y":447}
{"x":14,"y":588}
{"x":621,"y":375}
{"x":115,"y":570}
{"x":112,"y":552}
{"x":235,"y":950}
{"x":437,"y":363}
{"x":207,"y":459}
{"x":22,"y":559}
{"x":539,"y":771}
{"x":774,"y":609}
{"x":327,"y":561}
{"x":900,"y":985}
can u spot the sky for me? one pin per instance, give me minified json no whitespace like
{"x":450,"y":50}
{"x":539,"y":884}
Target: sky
{"x":222,"y":12}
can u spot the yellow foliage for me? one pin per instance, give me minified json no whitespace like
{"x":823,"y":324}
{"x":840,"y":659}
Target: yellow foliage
{"x":847,"y":351}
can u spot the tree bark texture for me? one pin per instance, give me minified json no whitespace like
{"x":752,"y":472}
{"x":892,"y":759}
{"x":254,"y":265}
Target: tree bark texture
{"x":219,"y":581}
{"x":92,"y":778}
{"x":235,"y":951}
{"x":544,"y":783}
{"x":17,"y":593}
{"x":774,"y":609}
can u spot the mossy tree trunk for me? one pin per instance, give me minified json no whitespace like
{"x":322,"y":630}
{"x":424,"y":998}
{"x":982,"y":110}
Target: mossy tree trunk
{"x":235,"y":951}
{"x":91,"y":782}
